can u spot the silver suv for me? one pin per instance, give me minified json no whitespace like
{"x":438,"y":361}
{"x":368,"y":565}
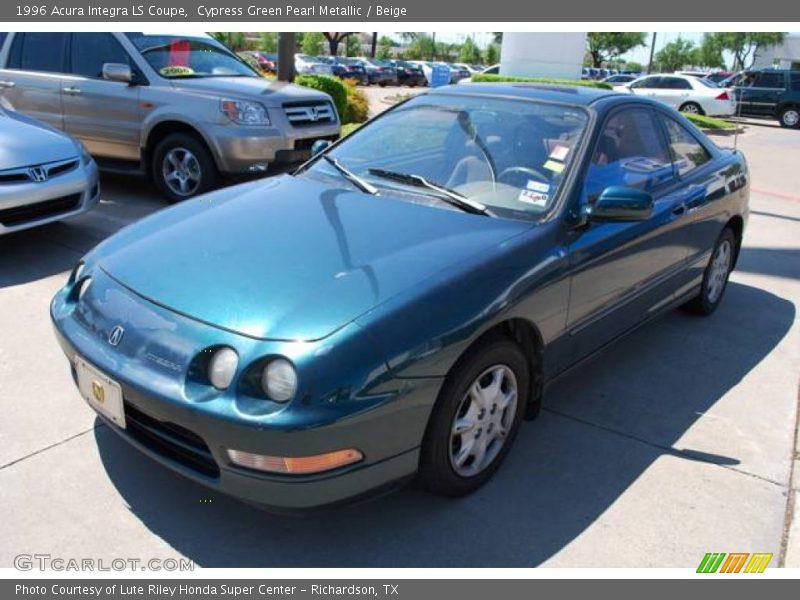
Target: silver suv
{"x":182,"y":108}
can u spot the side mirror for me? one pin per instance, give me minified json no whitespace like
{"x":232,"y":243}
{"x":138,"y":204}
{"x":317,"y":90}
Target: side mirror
{"x":620,"y":203}
{"x":117,"y":72}
{"x":319,"y":146}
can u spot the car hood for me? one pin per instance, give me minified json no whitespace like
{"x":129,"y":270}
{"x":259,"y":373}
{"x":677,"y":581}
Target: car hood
{"x":290,"y":258}
{"x":271,"y":93}
{"x":26,"y":142}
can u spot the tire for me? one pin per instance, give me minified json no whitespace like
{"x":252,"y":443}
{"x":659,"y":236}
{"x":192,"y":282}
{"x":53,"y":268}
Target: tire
{"x":497,"y":360}
{"x":714,"y":281}
{"x":184,"y":153}
{"x":789,"y":117}
{"x":691,"y":108}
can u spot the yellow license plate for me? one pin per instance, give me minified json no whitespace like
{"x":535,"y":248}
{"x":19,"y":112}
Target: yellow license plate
{"x":101,"y":392}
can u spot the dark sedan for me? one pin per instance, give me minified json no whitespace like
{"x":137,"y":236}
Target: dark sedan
{"x":396,"y":307}
{"x":347,"y":68}
{"x":408,"y":74}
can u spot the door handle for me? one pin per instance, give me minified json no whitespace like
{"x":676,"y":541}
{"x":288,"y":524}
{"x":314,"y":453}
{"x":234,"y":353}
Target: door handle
{"x":7,"y":84}
{"x":679,"y":209}
{"x":72,"y":91}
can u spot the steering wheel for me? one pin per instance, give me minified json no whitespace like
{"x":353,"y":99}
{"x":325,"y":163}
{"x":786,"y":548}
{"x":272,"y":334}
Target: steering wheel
{"x":505,"y":173}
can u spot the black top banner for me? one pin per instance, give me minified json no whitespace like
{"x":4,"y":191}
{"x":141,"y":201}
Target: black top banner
{"x":471,"y":11}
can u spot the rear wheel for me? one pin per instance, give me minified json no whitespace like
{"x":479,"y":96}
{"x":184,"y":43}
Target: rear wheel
{"x":476,"y":419}
{"x":715,"y":278}
{"x":692,"y":108}
{"x":790,"y":117}
{"x":182,"y":167}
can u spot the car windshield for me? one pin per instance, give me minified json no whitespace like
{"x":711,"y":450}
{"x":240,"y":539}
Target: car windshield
{"x":507,"y":155}
{"x":177,"y":56}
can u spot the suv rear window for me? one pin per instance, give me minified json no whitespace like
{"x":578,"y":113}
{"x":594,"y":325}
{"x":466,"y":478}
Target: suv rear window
{"x":38,"y":52}
{"x":795,"y":79}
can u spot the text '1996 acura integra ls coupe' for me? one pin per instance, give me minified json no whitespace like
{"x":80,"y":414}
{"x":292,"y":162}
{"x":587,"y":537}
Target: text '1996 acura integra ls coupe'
{"x":396,"y":305}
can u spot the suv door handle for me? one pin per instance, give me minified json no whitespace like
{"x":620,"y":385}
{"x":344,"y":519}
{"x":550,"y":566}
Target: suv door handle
{"x":72,"y":91}
{"x":7,"y":84}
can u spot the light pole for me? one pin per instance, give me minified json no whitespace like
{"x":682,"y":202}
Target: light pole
{"x":652,"y":50}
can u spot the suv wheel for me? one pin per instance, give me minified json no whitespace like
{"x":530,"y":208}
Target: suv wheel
{"x":475,"y":419}
{"x":790,"y":117}
{"x":182,"y":167}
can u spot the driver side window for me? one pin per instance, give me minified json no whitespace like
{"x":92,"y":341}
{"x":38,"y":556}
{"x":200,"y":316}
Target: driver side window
{"x":630,"y":152}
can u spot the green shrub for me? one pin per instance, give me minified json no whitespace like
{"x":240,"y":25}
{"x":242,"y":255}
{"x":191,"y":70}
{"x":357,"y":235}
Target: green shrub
{"x":349,"y":128}
{"x":357,"y":110}
{"x":487,"y":77}
{"x":704,"y":122}
{"x":332,"y":86}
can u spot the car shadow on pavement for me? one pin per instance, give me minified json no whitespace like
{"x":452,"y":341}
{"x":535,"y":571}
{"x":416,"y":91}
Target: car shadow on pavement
{"x":34,"y":254}
{"x":602,"y":427}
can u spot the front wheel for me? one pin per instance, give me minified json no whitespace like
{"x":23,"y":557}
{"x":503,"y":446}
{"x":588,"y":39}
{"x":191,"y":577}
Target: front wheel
{"x":183,"y":167}
{"x":715,"y":278}
{"x":476,"y":419}
{"x":790,"y":117}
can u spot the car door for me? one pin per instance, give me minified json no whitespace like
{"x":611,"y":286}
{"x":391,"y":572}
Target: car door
{"x":30,"y":80}
{"x":105,"y":115}
{"x":760,"y":92}
{"x":622,"y":272}
{"x":646,"y":86}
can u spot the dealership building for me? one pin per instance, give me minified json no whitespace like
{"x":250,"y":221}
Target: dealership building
{"x":782,"y":56}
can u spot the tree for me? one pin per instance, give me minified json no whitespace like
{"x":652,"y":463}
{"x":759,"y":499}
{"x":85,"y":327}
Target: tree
{"x":709,"y":53}
{"x":334,"y":39}
{"x":422,"y":47}
{"x":676,"y":55}
{"x":385,"y":45}
{"x":352,"y":45}
{"x":492,"y":55}
{"x":268,"y":41}
{"x":604,"y":46}
{"x":634,"y":66}
{"x":235,"y":40}
{"x":745,"y":46}
{"x":469,"y":52}
{"x":312,"y":43}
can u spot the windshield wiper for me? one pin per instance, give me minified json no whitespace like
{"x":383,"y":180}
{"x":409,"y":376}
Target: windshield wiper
{"x":364,"y":186}
{"x":446,"y":194}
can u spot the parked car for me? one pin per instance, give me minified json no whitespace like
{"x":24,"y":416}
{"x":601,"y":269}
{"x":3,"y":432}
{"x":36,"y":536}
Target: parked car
{"x":457,"y":73}
{"x":305,"y":64}
{"x":379,"y":72}
{"x":468,"y":68}
{"x":770,"y":93}
{"x":685,"y":93}
{"x":346,"y":68}
{"x":408,"y":74}
{"x":390,"y":309}
{"x":267,"y":62}
{"x":719,"y":76}
{"x":182,"y":109}
{"x":45,"y":175}
{"x":492,"y":70}
{"x":425,"y":67}
{"x":619,"y":80}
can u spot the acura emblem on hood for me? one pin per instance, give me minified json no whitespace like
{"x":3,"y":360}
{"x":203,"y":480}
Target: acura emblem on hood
{"x":115,"y":335}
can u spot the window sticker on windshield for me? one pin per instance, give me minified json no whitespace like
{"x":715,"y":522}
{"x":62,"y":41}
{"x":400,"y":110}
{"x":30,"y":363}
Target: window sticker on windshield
{"x":554,"y":166}
{"x":531,"y":197}
{"x":538,"y":186}
{"x":559,"y":153}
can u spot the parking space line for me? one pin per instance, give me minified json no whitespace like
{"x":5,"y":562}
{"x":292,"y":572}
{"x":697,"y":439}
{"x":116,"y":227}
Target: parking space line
{"x":51,"y":446}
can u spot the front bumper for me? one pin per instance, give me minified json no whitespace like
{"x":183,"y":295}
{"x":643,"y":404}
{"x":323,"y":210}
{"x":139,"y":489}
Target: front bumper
{"x":250,"y":150}
{"x":190,"y":432}
{"x":30,"y":204}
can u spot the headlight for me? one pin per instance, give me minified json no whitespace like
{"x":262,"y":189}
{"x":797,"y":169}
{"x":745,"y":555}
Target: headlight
{"x":77,"y":271}
{"x":86,"y":158}
{"x":245,"y":113}
{"x":279,"y":380}
{"x":83,"y":286}
{"x":222,"y":368}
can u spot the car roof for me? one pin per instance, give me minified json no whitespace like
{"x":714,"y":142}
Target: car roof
{"x":569,"y":94}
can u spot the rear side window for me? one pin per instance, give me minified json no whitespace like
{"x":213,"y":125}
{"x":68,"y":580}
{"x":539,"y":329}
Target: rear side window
{"x":38,"y":52}
{"x":686,"y":152}
{"x":90,"y":51}
{"x":675,"y":83}
{"x":769,"y":80}
{"x":648,"y":83}
{"x":630,"y":152}
{"x":795,"y":79}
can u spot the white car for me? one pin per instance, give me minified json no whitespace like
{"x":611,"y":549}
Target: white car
{"x":685,"y":93}
{"x":310,"y":65}
{"x":427,"y":68}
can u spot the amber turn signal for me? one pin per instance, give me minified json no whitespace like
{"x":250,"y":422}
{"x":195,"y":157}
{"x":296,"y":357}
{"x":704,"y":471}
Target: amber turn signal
{"x":297,"y":465}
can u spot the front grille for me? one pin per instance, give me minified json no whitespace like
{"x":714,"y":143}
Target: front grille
{"x":40,"y":210}
{"x":38,"y":173}
{"x":302,"y":114}
{"x":171,"y":441}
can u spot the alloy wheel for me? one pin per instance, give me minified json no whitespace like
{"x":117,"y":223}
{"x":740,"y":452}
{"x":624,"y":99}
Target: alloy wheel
{"x":720,"y":267}
{"x":181,"y":171}
{"x":791,"y":117}
{"x":483,"y":421}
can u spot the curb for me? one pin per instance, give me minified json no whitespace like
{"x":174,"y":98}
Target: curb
{"x":791,"y":540}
